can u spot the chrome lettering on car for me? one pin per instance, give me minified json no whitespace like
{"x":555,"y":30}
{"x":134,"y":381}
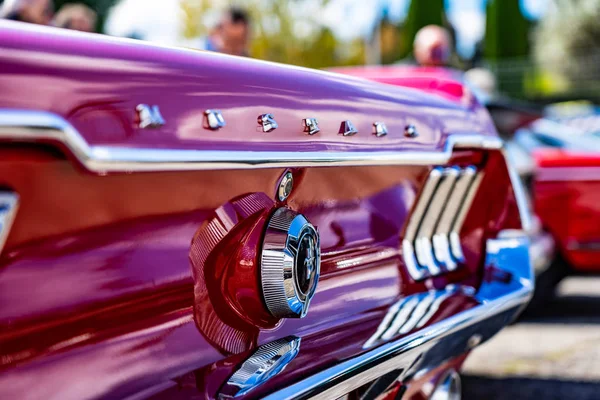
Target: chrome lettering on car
{"x":311,"y":125}
{"x":268,"y":123}
{"x":347,"y":128}
{"x":213,"y":120}
{"x":149,"y":116}
{"x":379,"y":129}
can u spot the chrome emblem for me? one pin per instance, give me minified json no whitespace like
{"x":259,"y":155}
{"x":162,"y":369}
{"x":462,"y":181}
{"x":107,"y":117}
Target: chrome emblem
{"x":213,"y":119}
{"x":379,"y":129}
{"x":410,"y":131}
{"x":285,"y":186}
{"x":268,"y":123}
{"x":311,"y":125}
{"x":290,"y":264}
{"x":149,"y":116}
{"x":348,"y":129}
{"x":267,"y":361}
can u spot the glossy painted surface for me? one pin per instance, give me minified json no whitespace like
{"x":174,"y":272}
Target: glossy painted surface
{"x":566,"y":193}
{"x":108,"y":261}
{"x":108,"y":285}
{"x":96,"y":82}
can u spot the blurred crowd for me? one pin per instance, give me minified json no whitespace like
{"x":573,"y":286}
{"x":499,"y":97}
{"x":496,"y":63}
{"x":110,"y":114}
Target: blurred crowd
{"x":231,"y":35}
{"x":75,"y":16}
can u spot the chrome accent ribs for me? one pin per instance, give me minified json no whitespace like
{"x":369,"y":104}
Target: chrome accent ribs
{"x":431,"y":243}
{"x":409,"y":313}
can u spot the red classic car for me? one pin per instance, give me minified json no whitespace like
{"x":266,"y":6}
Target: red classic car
{"x":179,"y":224}
{"x":560,"y":161}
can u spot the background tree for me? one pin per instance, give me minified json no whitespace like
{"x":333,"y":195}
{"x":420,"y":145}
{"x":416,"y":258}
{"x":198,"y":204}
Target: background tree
{"x":421,"y":13}
{"x":506,"y":30}
{"x":567,"y":47}
{"x":506,"y":44}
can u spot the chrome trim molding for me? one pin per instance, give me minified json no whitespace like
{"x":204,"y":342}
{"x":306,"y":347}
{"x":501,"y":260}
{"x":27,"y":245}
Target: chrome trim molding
{"x":266,"y":362}
{"x":440,"y":239}
{"x":431,"y":244}
{"x":500,"y":301}
{"x":9,"y":203}
{"x":448,"y":388}
{"x":454,"y":234}
{"x":31,"y":126}
{"x":409,"y":313}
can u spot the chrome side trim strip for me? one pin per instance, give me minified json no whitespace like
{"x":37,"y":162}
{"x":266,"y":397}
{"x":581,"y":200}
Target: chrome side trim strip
{"x":499,"y":302}
{"x":32,"y":126}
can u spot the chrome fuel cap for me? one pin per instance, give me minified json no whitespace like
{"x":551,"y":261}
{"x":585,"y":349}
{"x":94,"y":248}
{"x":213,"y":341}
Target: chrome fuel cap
{"x":290,"y":264}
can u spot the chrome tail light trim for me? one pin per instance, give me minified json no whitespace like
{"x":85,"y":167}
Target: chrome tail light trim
{"x":441,"y":241}
{"x":454,"y":235}
{"x":431,"y":243}
{"x":409,"y":313}
{"x":408,"y":247}
{"x":500,"y":301}
{"x":423,"y":242}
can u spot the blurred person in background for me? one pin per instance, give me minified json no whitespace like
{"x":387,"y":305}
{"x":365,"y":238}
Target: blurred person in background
{"x":77,"y":16}
{"x":432,"y":46}
{"x":232,"y":33}
{"x":32,"y":11}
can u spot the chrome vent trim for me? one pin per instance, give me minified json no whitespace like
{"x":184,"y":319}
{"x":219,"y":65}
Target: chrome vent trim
{"x":460,"y":218}
{"x":409,"y":313}
{"x":9,"y":202}
{"x":431,"y":243}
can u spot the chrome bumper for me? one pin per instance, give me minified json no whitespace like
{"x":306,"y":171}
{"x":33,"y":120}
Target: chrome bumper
{"x":507,"y":287}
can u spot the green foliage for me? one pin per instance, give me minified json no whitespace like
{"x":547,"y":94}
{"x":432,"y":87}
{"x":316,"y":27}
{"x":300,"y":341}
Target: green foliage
{"x":506,"y":46}
{"x":567,"y":45}
{"x":192,"y":11}
{"x":280,"y":35}
{"x":101,"y":7}
{"x":506,"y":30}
{"x":393,"y":42}
{"x":421,"y":13}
